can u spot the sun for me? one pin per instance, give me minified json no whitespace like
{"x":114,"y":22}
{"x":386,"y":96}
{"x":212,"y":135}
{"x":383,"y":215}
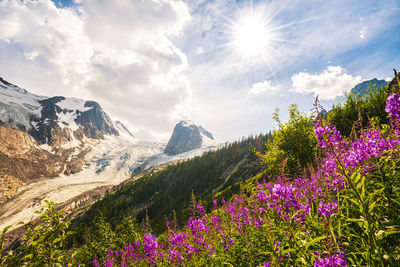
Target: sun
{"x":254,"y":34}
{"x":251,"y":36}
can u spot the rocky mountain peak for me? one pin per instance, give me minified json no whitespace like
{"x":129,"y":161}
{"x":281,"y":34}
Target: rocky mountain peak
{"x":187,"y":136}
{"x":52,"y":120}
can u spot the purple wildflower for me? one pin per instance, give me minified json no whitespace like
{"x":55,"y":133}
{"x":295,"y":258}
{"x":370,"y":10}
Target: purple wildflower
{"x":327,"y":209}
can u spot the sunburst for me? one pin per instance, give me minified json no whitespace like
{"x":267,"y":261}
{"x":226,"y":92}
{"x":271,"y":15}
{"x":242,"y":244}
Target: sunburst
{"x":252,"y":35}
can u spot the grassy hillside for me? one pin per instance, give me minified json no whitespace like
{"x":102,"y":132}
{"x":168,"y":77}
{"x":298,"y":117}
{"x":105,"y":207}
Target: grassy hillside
{"x":159,"y":194}
{"x":319,"y":198}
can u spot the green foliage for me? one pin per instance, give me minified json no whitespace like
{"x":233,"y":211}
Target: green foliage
{"x":100,"y":238}
{"x":167,"y":191}
{"x":370,"y":214}
{"x":44,"y":241}
{"x":316,"y":214}
{"x":293,"y":146}
{"x":370,"y":106}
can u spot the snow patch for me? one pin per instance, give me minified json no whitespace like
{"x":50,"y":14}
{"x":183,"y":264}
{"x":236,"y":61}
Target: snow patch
{"x":122,"y":130}
{"x":71,"y":144}
{"x":73,"y":103}
{"x":67,"y":119}
{"x":47,"y":148}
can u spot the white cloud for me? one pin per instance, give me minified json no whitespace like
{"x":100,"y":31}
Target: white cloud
{"x":363,"y":32}
{"x":263,"y":87}
{"x":332,"y":82}
{"x":119,"y":53}
{"x":39,"y":28}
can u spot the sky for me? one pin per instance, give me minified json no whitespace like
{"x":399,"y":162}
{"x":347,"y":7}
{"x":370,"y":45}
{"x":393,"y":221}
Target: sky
{"x":224,"y":64}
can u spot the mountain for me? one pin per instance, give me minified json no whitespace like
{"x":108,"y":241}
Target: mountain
{"x":55,"y":121}
{"x":169,"y":188}
{"x":123,"y":131}
{"x":188,"y":136}
{"x":67,"y":150}
{"x":362,"y":88}
{"x":44,"y":137}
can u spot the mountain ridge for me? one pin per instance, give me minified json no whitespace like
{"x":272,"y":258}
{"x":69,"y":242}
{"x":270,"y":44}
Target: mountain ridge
{"x":362,"y":87}
{"x":188,"y":136}
{"x":53,"y":120}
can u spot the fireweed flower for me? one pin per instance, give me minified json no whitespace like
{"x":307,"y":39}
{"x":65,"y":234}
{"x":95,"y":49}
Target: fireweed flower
{"x":175,"y":256}
{"x":96,"y":263}
{"x":327,"y":136}
{"x":288,"y":200}
{"x":108,"y":263}
{"x":327,"y":209}
{"x":150,"y":245}
{"x":262,"y":197}
{"x":216,"y":221}
{"x":200,"y":208}
{"x":393,"y":108}
{"x":332,"y":261}
{"x":196,"y":225}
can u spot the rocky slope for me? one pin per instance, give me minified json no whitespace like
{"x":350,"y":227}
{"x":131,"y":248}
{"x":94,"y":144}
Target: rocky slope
{"x":57,"y":148}
{"x":55,"y":121}
{"x":188,"y":136}
{"x":22,"y":161}
{"x":45,"y":136}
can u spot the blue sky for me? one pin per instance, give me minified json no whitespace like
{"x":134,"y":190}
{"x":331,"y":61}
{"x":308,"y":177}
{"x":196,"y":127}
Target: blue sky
{"x":224,"y":64}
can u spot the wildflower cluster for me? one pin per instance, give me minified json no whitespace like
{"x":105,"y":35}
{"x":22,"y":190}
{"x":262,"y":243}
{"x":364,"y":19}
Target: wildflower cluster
{"x":330,"y":218}
{"x":393,"y":108}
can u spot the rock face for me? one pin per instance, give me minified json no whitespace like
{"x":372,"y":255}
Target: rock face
{"x":63,"y":120}
{"x":188,"y":136}
{"x":45,"y":136}
{"x":22,"y":161}
{"x":95,"y":122}
{"x":362,"y":88}
{"x":14,"y":142}
{"x":54,"y":121}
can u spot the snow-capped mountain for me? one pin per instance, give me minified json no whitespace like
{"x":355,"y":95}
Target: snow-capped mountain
{"x":17,"y":106}
{"x":188,"y":136}
{"x":55,"y":121}
{"x":73,"y":146}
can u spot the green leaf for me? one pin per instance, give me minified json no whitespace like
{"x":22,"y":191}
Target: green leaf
{"x":392,"y":231}
{"x":315,"y":240}
{"x":5,"y":229}
{"x":288,"y":251}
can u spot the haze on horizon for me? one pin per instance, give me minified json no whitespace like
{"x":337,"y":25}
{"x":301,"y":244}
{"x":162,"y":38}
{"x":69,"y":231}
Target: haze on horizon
{"x":223,"y":64}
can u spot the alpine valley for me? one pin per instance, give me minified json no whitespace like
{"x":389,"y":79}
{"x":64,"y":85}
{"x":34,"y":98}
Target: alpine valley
{"x":70,"y":151}
{"x":205,"y":133}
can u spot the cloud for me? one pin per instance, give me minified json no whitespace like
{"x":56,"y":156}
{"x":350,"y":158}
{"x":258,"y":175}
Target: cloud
{"x":151,"y":62}
{"x":39,"y":29}
{"x":119,"y":53}
{"x":332,"y":82}
{"x":263,"y":87}
{"x":363,"y":32}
